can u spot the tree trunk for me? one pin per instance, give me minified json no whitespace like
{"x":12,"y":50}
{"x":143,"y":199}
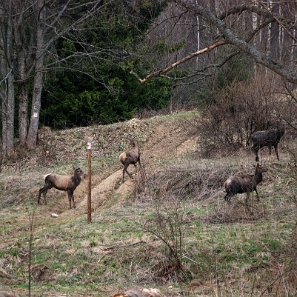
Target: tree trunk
{"x":7,"y":83}
{"x":22,"y":76}
{"x":36,"y":104}
{"x":23,"y":112}
{"x":38,"y":79}
{"x":8,"y":141}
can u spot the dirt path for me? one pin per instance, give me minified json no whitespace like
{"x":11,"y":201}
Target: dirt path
{"x":167,"y":141}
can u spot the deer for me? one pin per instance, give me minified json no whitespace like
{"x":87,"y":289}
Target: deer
{"x":244,"y":183}
{"x":66,"y":183}
{"x":131,"y":156}
{"x":270,"y":137}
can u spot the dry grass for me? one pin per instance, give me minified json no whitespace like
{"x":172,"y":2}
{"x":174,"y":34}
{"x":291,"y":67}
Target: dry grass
{"x":172,"y":211}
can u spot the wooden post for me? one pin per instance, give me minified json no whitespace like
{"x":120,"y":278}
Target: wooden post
{"x":89,"y":148}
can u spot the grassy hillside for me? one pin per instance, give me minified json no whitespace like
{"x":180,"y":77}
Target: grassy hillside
{"x":169,"y":228}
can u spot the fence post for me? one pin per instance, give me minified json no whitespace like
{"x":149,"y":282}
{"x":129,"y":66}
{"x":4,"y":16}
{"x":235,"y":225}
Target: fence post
{"x":89,"y":148}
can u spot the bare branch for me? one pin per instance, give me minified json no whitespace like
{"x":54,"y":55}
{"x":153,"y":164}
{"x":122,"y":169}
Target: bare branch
{"x":163,"y":71}
{"x":280,"y":21}
{"x":260,"y":57}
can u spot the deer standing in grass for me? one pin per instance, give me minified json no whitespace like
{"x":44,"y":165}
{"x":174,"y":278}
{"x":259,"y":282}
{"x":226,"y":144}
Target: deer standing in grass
{"x":270,"y":137}
{"x":66,"y":183}
{"x":131,"y":156}
{"x":244,"y":183}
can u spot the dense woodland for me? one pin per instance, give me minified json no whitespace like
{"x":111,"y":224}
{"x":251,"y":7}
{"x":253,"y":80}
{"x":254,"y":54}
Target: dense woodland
{"x":97,"y":62}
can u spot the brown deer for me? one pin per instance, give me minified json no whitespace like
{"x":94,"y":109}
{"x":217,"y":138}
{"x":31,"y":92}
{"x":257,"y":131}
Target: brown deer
{"x":270,"y":137}
{"x":131,"y":156}
{"x":66,"y":183}
{"x":244,"y":183}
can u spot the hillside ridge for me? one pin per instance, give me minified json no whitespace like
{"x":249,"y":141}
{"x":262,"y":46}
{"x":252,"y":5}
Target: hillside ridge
{"x":167,"y":141}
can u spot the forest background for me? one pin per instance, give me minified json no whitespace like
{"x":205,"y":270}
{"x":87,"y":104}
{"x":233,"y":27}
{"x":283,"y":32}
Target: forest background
{"x":78,"y":63}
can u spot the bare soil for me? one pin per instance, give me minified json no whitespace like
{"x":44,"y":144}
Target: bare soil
{"x":168,"y":140}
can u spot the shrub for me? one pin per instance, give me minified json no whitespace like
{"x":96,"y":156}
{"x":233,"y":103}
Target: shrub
{"x":239,"y":109}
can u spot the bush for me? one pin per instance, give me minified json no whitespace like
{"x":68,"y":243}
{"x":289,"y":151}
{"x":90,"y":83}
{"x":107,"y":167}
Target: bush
{"x":240,"y":109}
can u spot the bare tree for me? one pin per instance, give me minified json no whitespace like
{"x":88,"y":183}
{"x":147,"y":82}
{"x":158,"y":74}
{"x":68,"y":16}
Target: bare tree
{"x":24,"y":56}
{"x":229,"y":19}
{"x":50,"y":26}
{"x":38,"y":76}
{"x":29,"y":30}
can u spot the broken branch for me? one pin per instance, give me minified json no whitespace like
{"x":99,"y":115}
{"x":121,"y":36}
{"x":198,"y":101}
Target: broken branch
{"x":163,"y":71}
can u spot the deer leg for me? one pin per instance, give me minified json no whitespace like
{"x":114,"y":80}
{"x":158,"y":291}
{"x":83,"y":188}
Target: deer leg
{"x":39,"y":194}
{"x":228,"y":196}
{"x":129,"y":174}
{"x":70,"y":197}
{"x":125,"y":170}
{"x":256,"y":151}
{"x":276,"y":151}
{"x":44,"y":197}
{"x":247,"y":197}
{"x":42,"y":191}
{"x":74,"y":206}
